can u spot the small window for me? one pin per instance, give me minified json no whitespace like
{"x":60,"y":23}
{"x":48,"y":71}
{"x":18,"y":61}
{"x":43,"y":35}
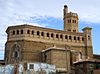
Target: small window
{"x":61,"y":36}
{"x":66,"y":37}
{"x":28,"y":31}
{"x":73,"y":21}
{"x":21,"y":31}
{"x":74,"y":30}
{"x":70,"y":37}
{"x":69,"y":21}
{"x":78,"y":38}
{"x":38,"y":33}
{"x":82,"y":39}
{"x":16,"y":55}
{"x":88,"y":37}
{"x":52,"y":35}
{"x":74,"y":37}
{"x":47,"y":34}
{"x":42,"y":33}
{"x":13,"y":32}
{"x":32,"y":32}
{"x":17,"y":31}
{"x":31,"y":66}
{"x":57,"y":36}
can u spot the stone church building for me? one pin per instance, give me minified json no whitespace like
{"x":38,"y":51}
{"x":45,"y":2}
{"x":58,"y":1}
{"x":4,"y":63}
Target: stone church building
{"x":27,"y":43}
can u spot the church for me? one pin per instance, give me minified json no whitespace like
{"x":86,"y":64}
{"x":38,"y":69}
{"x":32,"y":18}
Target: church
{"x":27,"y":43}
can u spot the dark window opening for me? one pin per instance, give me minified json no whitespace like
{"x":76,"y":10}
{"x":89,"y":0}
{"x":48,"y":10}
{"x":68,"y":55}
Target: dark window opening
{"x":31,"y":66}
{"x":42,"y":33}
{"x":16,"y":54}
{"x":70,"y":37}
{"x":17,"y":31}
{"x":38,"y":33}
{"x":21,"y":31}
{"x":47,"y":34}
{"x":73,"y":21}
{"x":74,"y":30}
{"x":13,"y":32}
{"x":52,"y":35}
{"x":74,"y":37}
{"x":66,"y":37}
{"x":78,"y":38}
{"x":61,"y":36}
{"x":88,"y":37}
{"x":69,"y":21}
{"x":28,"y":31}
{"x":57,"y":36}
{"x":32,"y":32}
{"x":82,"y":39}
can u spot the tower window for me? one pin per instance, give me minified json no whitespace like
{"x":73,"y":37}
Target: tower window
{"x":73,"y":21}
{"x":74,"y":30}
{"x":42,"y":33}
{"x":70,"y":37}
{"x":66,"y":37}
{"x":47,"y":34}
{"x":57,"y":35}
{"x":69,"y":21}
{"x":88,"y":37}
{"x":13,"y":32}
{"x":28,"y":31}
{"x":52,"y":35}
{"x":21,"y":31}
{"x":38,"y":33}
{"x":17,"y":31}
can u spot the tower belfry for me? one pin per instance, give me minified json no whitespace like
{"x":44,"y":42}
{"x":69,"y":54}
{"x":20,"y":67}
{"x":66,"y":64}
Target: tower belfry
{"x":70,"y":20}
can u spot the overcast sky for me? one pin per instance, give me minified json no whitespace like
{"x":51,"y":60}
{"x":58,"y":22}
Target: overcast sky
{"x":49,"y":13}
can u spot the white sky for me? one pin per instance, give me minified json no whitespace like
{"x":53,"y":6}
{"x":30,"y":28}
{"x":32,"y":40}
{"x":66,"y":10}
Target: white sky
{"x":21,"y":11}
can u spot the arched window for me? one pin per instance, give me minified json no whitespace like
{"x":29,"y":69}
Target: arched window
{"x":32,"y":32}
{"x":57,"y":36}
{"x":21,"y":31}
{"x":88,"y":37}
{"x":61,"y":36}
{"x":66,"y":36}
{"x":13,"y":32}
{"x":16,"y":54}
{"x":28,"y":31}
{"x":47,"y":34}
{"x":42,"y":33}
{"x":82,"y":38}
{"x":17,"y":31}
{"x":78,"y":38}
{"x":70,"y":37}
{"x":74,"y":30}
{"x":74,"y":37}
{"x":69,"y":21}
{"x":38,"y":33}
{"x":52,"y":35}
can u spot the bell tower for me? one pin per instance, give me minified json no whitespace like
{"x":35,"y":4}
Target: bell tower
{"x":70,"y":20}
